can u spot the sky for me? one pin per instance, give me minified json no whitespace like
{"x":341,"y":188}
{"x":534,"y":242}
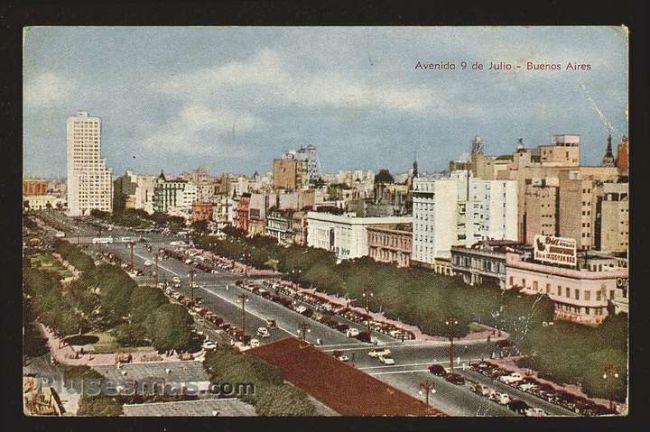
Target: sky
{"x":233,"y":98}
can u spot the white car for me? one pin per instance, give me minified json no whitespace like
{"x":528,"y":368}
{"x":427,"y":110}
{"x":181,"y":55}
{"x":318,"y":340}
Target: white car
{"x":387,"y":360}
{"x":535,"y":412}
{"x":148,"y":264}
{"x":376,"y":352}
{"x":512,"y":378}
{"x":176,"y":279}
{"x":300,"y":309}
{"x":502,"y":398}
{"x":527,"y":386}
{"x":352,"y":332}
{"x":208,"y":345}
{"x":343,"y":358}
{"x":263,"y":332}
{"x":255,"y":343}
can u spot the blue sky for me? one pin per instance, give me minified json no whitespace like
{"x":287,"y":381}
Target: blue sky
{"x":233,"y":98}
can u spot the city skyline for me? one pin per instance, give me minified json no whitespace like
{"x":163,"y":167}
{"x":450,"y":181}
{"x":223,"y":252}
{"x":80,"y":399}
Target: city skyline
{"x":232,"y":99}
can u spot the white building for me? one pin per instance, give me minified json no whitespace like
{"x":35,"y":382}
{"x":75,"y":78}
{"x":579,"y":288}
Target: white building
{"x":174,"y":195}
{"x":90,"y":183}
{"x":460,"y":210}
{"x":434,"y":218}
{"x":487,"y":209}
{"x":344,"y":235}
{"x":310,"y":155}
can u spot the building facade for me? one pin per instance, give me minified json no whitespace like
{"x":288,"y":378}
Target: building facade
{"x":345,"y":235}
{"x":290,"y":174}
{"x":34,"y":187}
{"x":614,"y":226}
{"x":279,"y":226}
{"x":310,"y":156}
{"x":201,"y":211}
{"x":483,"y":263}
{"x":391,"y":244}
{"x":434,"y":219}
{"x":584,"y":294}
{"x":90,"y":182}
{"x":134,"y":191}
{"x":173,"y":195}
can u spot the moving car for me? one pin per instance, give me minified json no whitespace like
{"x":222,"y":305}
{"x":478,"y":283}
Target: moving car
{"x":437,"y":369}
{"x":387,"y":360}
{"x":340,"y":356}
{"x":208,"y":345}
{"x":378,"y":352}
{"x":501,"y":398}
{"x":263,"y":332}
{"x":352,"y":332}
{"x":148,"y":264}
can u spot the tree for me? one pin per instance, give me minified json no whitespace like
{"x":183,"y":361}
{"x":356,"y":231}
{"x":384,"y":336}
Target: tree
{"x":130,"y":335}
{"x":143,"y":301}
{"x":283,"y":400}
{"x":99,"y":406}
{"x":200,"y":226}
{"x":169,"y":327}
{"x":384,"y":176}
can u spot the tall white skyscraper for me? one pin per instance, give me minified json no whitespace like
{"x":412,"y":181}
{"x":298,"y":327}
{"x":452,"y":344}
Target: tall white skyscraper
{"x":90,"y":184}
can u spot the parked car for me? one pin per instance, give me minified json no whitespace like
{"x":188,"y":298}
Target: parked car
{"x":263,"y":332}
{"x":502,"y":398}
{"x":437,"y":369}
{"x":208,"y":345}
{"x":534,"y":412}
{"x":377,"y":352}
{"x":255,"y":343}
{"x":271,"y":323}
{"x":342,"y":327}
{"x":387,"y":360}
{"x":455,"y":378}
{"x":512,"y":378}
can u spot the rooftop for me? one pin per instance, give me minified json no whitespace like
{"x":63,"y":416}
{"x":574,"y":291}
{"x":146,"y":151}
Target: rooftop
{"x":181,"y":371}
{"x":230,"y":407}
{"x":338,"y":385}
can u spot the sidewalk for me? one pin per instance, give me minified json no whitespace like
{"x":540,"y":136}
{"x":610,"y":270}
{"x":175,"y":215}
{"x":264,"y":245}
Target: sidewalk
{"x":419,"y":335}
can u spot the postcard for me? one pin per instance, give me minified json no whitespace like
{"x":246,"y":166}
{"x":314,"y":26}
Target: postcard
{"x":325,"y":221}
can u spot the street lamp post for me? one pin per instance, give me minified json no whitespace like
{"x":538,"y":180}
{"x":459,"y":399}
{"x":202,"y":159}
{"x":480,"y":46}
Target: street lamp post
{"x":243,"y":298}
{"x":131,"y":244}
{"x":100,"y":241}
{"x":427,"y":387}
{"x":610,"y":375}
{"x":156,"y":261}
{"x":451,"y":324}
{"x":303,"y":329}
{"x":367,"y":294}
{"x":191,"y":274}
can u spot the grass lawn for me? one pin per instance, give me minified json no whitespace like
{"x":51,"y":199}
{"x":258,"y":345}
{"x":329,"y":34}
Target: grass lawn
{"x":475,"y":328}
{"x":49,"y":263}
{"x":108,"y":344}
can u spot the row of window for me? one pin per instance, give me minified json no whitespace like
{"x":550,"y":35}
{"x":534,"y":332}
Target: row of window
{"x":567,"y":290}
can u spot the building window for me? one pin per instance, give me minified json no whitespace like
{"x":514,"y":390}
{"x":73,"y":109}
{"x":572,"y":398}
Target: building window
{"x":577,"y":293}
{"x":587,"y":295}
{"x":559,"y":290}
{"x":535,"y":285}
{"x":611,"y":294}
{"x":523,"y":282}
{"x":511,"y":281}
{"x":548,"y":288}
{"x":568,"y":292}
{"x":598,"y":296}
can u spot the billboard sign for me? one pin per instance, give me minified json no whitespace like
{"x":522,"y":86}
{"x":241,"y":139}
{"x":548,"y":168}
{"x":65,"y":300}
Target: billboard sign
{"x":555,"y":250}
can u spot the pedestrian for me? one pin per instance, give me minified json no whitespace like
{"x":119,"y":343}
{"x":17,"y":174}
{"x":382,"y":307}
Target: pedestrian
{"x":465,"y":349}
{"x":488,"y":339}
{"x":353,"y":356}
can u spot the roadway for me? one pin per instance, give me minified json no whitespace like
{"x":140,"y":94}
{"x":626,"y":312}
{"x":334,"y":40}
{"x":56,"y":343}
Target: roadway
{"x":412,"y":358}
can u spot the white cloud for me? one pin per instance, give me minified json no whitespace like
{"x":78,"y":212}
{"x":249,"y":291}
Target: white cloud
{"x":268,"y":80}
{"x":198,"y":129}
{"x":46,"y":89}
